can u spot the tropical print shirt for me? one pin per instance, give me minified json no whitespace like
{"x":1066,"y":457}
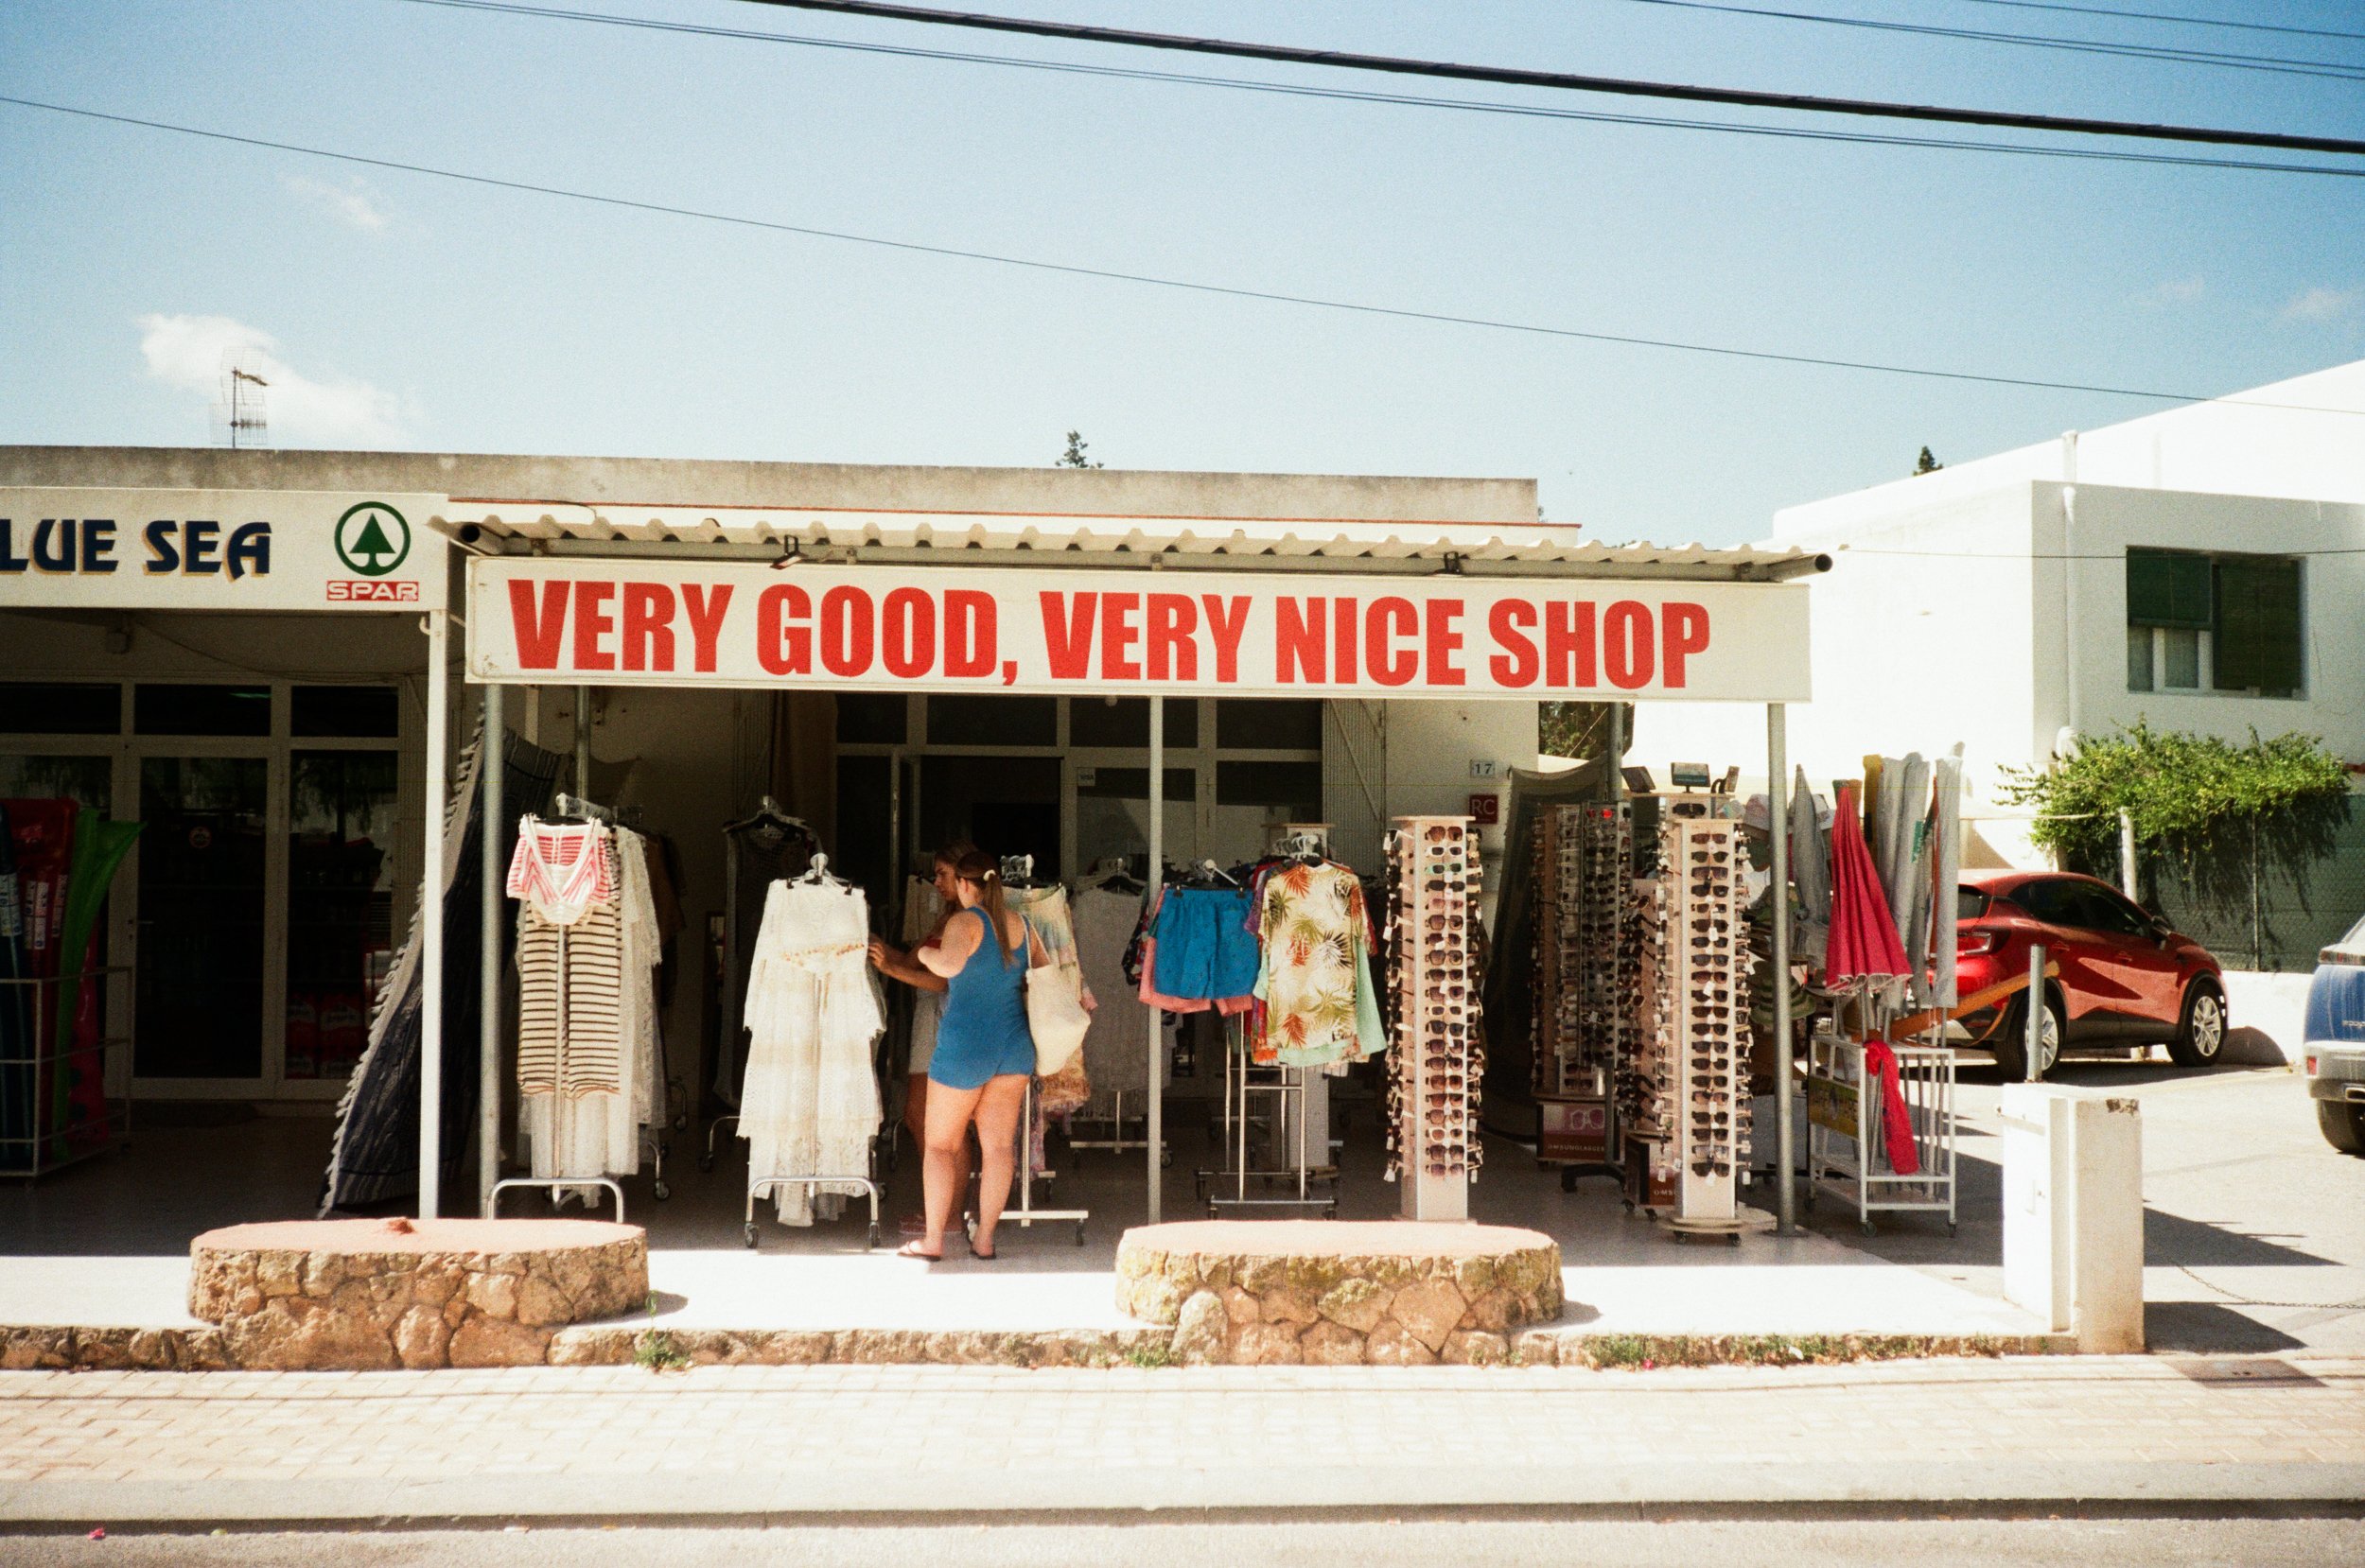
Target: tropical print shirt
{"x":1315,"y":1003}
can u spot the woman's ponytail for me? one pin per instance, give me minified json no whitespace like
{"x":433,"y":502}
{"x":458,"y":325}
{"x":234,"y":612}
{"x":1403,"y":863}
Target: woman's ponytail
{"x":984,"y":872}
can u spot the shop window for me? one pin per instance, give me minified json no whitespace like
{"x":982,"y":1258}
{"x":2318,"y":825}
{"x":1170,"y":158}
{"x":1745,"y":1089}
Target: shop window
{"x":60,"y":708}
{"x":84,"y":780}
{"x":345,"y":712}
{"x":201,"y":709}
{"x":1270,"y":723}
{"x":870,"y":718}
{"x":343,"y":822}
{"x":1295,"y":788}
{"x":994,"y":721}
{"x":864,"y":852}
{"x":1124,"y":722}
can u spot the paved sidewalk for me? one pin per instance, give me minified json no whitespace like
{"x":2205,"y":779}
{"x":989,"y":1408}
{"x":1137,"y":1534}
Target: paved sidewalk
{"x":99,"y":1448}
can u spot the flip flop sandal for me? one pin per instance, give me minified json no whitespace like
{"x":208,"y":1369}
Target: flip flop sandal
{"x":911,"y":1249}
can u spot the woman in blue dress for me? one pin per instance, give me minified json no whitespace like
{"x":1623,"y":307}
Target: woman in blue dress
{"x":985,"y":1053}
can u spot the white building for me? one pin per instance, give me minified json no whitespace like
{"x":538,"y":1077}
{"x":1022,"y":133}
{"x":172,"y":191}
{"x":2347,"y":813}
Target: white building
{"x":2201,"y":569}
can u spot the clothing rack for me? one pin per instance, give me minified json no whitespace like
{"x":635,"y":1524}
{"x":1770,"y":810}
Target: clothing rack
{"x":1286,"y":1086}
{"x":577,"y":809}
{"x":1027,"y":1215}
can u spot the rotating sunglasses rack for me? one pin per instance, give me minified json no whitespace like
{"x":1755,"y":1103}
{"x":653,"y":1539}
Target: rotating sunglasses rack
{"x":1435,"y":1055}
{"x":1704,"y":1018}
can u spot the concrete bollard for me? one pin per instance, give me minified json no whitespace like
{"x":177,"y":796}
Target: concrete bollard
{"x":2073,"y":1213}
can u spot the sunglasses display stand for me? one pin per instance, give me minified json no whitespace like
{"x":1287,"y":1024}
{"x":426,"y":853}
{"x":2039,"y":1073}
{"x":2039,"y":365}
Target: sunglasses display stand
{"x":1703,"y":1019}
{"x":1580,"y":1012}
{"x":1433,"y":1054}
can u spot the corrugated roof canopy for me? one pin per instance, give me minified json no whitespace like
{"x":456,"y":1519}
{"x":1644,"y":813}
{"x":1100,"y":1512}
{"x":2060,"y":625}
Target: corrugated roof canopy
{"x":1033,"y":539}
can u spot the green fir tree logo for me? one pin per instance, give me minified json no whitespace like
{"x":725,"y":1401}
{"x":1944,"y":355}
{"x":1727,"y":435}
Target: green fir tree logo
{"x":364,"y":542}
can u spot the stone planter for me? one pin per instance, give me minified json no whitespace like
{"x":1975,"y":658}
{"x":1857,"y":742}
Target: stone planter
{"x":359,"y":1294}
{"x":1389,"y":1292}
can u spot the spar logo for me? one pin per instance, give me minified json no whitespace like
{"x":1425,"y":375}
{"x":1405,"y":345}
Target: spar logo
{"x":373,"y":539}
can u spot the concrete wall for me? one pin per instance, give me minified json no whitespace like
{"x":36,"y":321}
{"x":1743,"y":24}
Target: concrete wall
{"x":2294,"y":438}
{"x":1107,"y":492}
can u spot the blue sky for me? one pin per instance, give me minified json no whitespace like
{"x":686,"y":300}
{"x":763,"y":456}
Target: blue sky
{"x":397,"y":310}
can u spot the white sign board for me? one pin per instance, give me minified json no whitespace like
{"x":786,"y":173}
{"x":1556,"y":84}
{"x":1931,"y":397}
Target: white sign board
{"x":627,"y":622}
{"x":219,"y":550}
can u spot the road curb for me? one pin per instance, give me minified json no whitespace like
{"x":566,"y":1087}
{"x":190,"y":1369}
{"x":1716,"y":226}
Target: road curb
{"x":1894,"y":1489}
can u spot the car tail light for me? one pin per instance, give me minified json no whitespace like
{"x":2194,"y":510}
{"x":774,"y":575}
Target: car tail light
{"x":1978,"y":941}
{"x":2311,"y":1067}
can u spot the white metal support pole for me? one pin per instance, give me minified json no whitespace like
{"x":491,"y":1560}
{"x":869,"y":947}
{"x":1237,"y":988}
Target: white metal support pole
{"x":1777,"y":821}
{"x":488,"y":975}
{"x":1154,"y":1132}
{"x":2034,"y":1012}
{"x":2127,"y":853}
{"x":431,"y":919}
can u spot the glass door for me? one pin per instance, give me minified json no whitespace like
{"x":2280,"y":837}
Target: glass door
{"x":202,"y":884}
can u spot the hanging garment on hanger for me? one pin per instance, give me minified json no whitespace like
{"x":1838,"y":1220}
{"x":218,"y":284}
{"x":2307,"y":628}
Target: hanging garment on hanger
{"x":1313,"y":985}
{"x":1206,"y":945}
{"x":640,"y":949}
{"x":810,"y":1104}
{"x":576,"y":1103}
{"x":762,"y":851}
{"x":923,"y":919}
{"x":553,"y":869}
{"x":1068,"y":1090}
{"x":1116,"y":1046}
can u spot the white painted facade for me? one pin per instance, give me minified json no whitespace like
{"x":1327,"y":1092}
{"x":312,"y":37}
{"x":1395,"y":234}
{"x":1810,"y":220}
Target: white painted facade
{"x":1986,"y":603}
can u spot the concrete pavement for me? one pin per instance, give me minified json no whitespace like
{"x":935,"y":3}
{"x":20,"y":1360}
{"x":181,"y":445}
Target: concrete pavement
{"x":1528,"y":1541}
{"x":774,"y":1443}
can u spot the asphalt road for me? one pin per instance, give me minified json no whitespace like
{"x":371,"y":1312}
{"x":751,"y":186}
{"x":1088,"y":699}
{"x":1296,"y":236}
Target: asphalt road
{"x":1360,"y":1543}
{"x":2254,"y":1227}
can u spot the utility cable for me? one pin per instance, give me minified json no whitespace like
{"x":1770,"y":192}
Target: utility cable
{"x":1131,"y":73}
{"x":2173,"y":53}
{"x":1572,"y":81}
{"x":1110,"y":274}
{"x":2175,"y":20}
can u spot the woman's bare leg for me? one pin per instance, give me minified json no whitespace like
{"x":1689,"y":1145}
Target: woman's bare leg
{"x":941,"y":1166}
{"x":999,"y":1106}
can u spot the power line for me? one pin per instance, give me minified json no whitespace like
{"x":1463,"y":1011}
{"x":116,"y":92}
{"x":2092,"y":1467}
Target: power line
{"x":1572,"y":82}
{"x":2177,"y":21}
{"x":1108,"y":274}
{"x":2278,"y":64}
{"x":1131,"y":73}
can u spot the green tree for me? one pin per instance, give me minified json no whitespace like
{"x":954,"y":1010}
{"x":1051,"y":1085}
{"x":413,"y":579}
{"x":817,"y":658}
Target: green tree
{"x":1926,"y":463}
{"x":1578,"y":729}
{"x":1074,"y":457}
{"x":2220,"y":815}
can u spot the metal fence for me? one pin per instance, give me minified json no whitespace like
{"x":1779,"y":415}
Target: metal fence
{"x":2282,"y":924}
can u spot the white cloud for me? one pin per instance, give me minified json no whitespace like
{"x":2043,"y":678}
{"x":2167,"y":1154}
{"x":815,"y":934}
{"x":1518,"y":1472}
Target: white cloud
{"x":2322,"y":305}
{"x":352,"y":203}
{"x":2174,"y":292}
{"x":188,"y":353}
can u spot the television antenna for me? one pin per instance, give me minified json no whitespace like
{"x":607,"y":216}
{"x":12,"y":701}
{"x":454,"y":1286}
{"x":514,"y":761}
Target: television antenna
{"x":239,"y":418}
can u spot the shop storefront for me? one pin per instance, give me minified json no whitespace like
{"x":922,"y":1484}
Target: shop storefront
{"x":1087,"y":670}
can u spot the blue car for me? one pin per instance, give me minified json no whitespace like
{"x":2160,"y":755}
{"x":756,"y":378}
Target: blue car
{"x":2336,"y":1041}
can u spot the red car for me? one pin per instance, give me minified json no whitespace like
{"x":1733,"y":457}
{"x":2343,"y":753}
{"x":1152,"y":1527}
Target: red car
{"x":2126,"y":979}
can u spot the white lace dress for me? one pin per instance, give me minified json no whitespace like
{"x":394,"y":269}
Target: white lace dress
{"x":810,"y":1103}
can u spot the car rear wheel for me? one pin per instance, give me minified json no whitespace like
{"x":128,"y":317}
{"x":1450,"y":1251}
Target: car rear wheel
{"x":2011,"y":1041}
{"x":2200,"y":1032}
{"x":2344,"y":1122}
